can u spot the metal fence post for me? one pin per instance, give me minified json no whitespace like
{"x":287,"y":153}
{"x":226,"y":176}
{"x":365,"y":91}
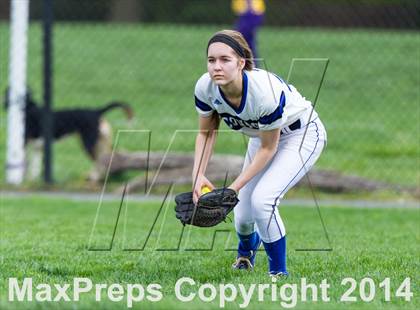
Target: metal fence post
{"x":48,"y":79}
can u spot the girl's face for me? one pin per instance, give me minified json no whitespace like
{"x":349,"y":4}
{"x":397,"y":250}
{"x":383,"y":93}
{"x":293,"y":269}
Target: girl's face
{"x":223,"y":64}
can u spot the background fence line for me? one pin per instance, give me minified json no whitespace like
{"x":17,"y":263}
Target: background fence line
{"x":369,"y":101}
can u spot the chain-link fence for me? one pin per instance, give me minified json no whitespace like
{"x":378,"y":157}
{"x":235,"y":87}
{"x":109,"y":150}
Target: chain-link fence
{"x":150,"y":54}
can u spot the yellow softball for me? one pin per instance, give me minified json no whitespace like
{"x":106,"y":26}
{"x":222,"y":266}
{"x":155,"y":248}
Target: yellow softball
{"x":205,"y":189}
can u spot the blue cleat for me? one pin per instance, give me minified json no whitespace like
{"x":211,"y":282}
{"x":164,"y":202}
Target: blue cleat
{"x":278,"y":275}
{"x":246,"y":258}
{"x":245,"y":262}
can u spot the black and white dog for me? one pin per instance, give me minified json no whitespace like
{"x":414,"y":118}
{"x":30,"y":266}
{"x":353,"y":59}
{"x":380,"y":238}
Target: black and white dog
{"x":95,"y":132}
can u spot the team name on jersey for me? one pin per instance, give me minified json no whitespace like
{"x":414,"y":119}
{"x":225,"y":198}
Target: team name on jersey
{"x":237,"y":123}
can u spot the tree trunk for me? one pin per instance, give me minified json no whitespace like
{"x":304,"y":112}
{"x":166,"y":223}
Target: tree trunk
{"x":125,"y":10}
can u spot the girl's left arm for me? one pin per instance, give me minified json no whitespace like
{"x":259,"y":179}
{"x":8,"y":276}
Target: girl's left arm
{"x":269,"y":144}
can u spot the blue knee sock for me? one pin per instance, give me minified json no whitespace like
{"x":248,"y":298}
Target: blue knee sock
{"x":276,"y":252}
{"x":248,"y":243}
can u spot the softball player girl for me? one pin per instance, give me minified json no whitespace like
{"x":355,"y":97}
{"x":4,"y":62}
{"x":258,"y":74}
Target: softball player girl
{"x":286,"y":139}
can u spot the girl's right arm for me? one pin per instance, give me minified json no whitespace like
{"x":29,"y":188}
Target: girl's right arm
{"x":204,"y":144}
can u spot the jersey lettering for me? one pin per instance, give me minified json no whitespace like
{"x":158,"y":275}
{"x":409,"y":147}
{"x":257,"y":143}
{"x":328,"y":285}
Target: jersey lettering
{"x":237,"y":123}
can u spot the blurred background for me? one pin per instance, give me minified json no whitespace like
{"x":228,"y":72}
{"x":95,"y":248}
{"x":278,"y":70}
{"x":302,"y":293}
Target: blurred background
{"x":150,"y":53}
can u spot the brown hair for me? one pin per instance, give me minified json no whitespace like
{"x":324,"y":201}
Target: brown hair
{"x":239,"y":38}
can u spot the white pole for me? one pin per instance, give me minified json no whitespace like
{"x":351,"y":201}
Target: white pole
{"x":15,"y":157}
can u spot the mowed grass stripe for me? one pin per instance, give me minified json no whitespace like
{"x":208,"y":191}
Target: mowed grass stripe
{"x":47,"y":239}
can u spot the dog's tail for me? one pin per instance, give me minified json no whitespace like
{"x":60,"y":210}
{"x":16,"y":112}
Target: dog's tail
{"x":122,"y":105}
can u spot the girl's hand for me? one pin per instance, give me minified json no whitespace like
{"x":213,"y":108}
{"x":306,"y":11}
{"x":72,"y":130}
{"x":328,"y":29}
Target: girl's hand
{"x":201,"y":182}
{"x":234,"y":187}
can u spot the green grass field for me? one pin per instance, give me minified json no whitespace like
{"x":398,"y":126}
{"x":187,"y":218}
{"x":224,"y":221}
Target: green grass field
{"x":47,"y":239}
{"x":369,"y":101}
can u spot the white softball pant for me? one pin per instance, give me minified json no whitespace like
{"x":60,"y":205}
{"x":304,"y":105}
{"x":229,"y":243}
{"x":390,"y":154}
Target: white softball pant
{"x":260,"y":197}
